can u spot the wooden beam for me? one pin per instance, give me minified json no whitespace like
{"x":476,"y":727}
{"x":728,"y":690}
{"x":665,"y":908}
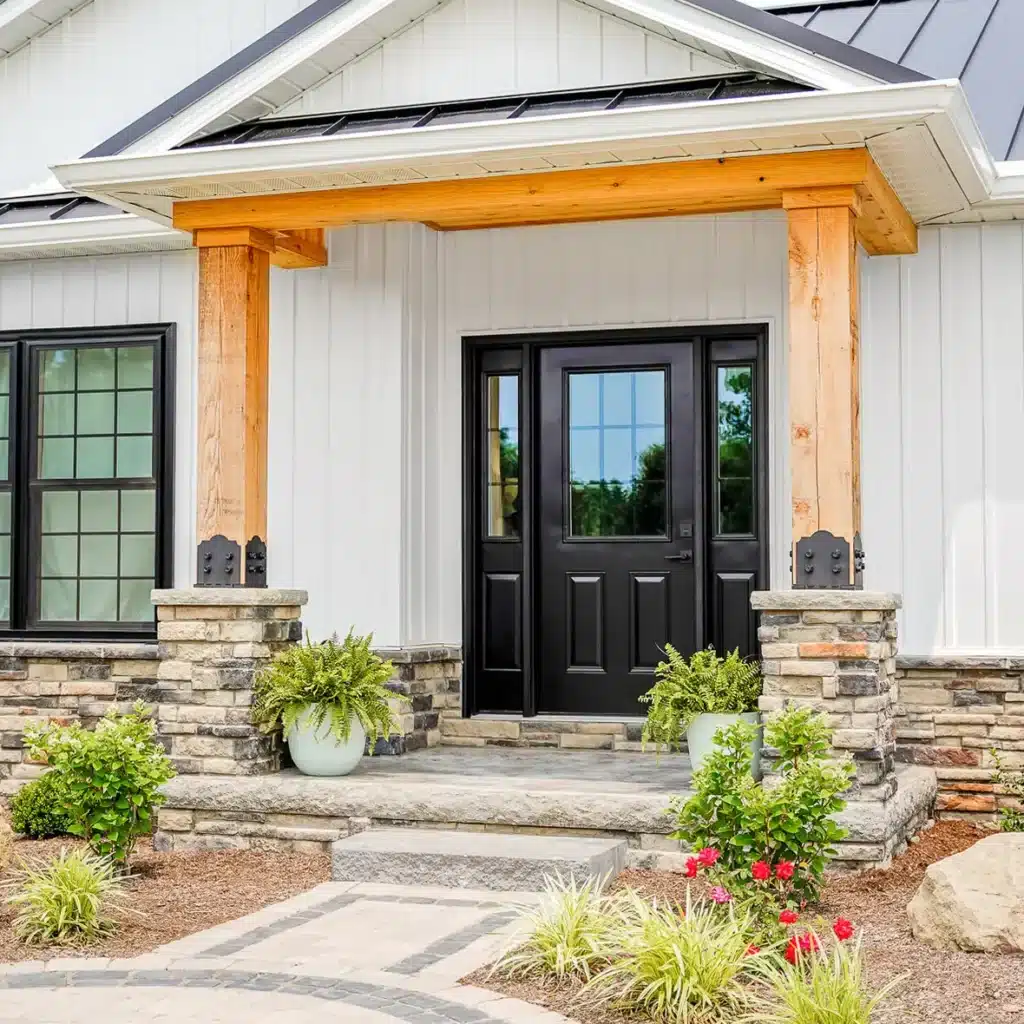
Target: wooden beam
{"x":665,"y":188}
{"x":299,"y":250}
{"x":824,"y":385}
{"x":233,"y":352}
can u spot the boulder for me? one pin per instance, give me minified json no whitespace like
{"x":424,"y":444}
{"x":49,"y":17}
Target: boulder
{"x":974,"y":901}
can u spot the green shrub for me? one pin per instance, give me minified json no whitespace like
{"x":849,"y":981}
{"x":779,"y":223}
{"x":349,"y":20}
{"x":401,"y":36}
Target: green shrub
{"x":36,"y":811}
{"x":62,"y":901}
{"x":568,"y":935}
{"x":1011,"y":819}
{"x":337,"y":681}
{"x":791,"y":820}
{"x":107,"y":780}
{"x":820,"y":987}
{"x":703,"y":684}
{"x":680,"y":966}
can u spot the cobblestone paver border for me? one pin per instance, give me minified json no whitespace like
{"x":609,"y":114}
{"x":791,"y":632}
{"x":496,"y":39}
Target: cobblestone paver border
{"x":402,"y":1004}
{"x":451,"y":944}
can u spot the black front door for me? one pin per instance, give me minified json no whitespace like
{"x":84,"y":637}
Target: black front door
{"x":616,"y":494}
{"x":615,"y":501}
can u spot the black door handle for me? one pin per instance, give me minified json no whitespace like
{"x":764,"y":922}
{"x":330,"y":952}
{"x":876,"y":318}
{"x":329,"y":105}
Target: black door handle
{"x":683,"y":556}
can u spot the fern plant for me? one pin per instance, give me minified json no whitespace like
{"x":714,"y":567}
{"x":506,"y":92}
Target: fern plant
{"x":703,"y":684}
{"x":337,"y":682}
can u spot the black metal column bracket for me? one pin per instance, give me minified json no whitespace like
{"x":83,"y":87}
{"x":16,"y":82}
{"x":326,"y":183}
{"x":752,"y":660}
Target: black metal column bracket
{"x":219,"y":563}
{"x":256,"y":563}
{"x":823,"y":563}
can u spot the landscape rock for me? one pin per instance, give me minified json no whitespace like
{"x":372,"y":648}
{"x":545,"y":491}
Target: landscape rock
{"x":974,"y":901}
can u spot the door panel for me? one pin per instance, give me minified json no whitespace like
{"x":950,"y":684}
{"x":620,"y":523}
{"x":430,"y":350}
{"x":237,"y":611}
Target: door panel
{"x":503,"y":616}
{"x":617,"y":578}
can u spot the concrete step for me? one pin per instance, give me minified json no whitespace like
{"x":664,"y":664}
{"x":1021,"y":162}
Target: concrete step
{"x":472,"y":860}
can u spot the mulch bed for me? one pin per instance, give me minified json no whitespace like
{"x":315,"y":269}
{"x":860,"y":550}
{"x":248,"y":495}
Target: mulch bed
{"x":175,"y":894}
{"x":940,"y":988}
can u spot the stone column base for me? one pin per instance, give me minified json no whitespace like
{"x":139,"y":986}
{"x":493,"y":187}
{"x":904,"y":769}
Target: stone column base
{"x":431,"y":677}
{"x":212,"y":643}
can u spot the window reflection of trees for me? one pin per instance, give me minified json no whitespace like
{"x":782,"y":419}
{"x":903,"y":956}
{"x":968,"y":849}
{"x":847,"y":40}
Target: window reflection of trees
{"x":611,"y":508}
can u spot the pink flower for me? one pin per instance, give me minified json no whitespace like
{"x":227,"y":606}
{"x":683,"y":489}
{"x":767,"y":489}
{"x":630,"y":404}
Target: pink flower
{"x":691,"y":867}
{"x":789,"y":917}
{"x":720,"y":895}
{"x":707,"y":857}
{"x":784,"y":870}
{"x":843,"y":929}
{"x":760,"y":871}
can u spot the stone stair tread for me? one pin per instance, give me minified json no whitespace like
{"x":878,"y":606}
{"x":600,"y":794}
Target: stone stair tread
{"x":471,"y":859}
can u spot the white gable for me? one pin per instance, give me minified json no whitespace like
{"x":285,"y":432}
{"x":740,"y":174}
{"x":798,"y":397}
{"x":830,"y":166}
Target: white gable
{"x":470,"y":48}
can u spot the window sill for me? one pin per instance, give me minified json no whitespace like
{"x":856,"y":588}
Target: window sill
{"x":65,"y":650}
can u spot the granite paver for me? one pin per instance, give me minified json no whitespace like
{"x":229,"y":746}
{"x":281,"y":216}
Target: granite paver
{"x":363,"y":954}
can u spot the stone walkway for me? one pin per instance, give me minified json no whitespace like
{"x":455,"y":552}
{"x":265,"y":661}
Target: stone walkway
{"x":358,"y":953}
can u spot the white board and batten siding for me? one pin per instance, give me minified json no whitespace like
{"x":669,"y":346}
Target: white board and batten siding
{"x":943,"y":436}
{"x":471,"y":48}
{"x":107,"y":63}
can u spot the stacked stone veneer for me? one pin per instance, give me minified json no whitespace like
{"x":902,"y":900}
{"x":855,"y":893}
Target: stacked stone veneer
{"x":951,"y":714}
{"x":65,"y":681}
{"x":539,"y":732}
{"x":431,"y":678}
{"x":835,"y":651}
{"x":212,"y":643}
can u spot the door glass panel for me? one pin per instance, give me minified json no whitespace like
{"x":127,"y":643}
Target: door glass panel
{"x":502,"y":454}
{"x":734,"y":500}
{"x":617,"y":454}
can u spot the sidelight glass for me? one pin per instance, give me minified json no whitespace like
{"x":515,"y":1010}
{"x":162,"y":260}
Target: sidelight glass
{"x":502,"y":454}
{"x":617,"y":454}
{"x":734,"y":454}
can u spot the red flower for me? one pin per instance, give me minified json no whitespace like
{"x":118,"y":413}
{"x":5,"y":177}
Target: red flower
{"x":798,"y":945}
{"x":753,"y":950}
{"x":707,"y":857}
{"x":761,"y":871}
{"x":843,"y":929}
{"x":789,"y":917}
{"x":784,"y":870}
{"x":691,"y":867}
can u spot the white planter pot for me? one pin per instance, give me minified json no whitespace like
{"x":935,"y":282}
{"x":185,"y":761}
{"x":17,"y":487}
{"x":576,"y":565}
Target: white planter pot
{"x":700,"y":737}
{"x":317,"y":752}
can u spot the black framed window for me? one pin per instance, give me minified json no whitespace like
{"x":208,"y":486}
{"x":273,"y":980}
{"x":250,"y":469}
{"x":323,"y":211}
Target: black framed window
{"x":85,"y":479}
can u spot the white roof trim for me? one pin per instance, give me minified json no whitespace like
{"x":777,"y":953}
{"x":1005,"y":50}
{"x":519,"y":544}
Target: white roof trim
{"x":110,"y":231}
{"x":23,"y":20}
{"x":744,"y":45}
{"x":148,"y":184}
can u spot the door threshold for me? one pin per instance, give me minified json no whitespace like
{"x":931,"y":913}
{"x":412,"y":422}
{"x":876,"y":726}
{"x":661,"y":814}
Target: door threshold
{"x":494,"y":716}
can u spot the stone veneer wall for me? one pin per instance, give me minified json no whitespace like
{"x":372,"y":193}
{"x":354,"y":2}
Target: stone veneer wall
{"x":834,"y":650}
{"x":539,"y":732}
{"x":68,"y":682}
{"x":951,"y":714}
{"x":431,"y":677}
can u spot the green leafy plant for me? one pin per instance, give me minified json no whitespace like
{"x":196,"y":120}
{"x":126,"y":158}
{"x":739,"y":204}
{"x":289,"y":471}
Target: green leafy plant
{"x":790,"y":820}
{"x":703,"y":684}
{"x":569,"y":934}
{"x":684,"y":966}
{"x":336,"y":681}
{"x":36,"y":810}
{"x":63,"y":901}
{"x":1011,"y":819}
{"x":106,"y":780}
{"x":817,"y":986}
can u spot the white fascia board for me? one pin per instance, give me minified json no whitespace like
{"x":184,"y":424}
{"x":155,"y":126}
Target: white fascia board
{"x":246,"y":84}
{"x":746,"y":44}
{"x":23,"y":20}
{"x":110,"y":228}
{"x":719,"y":119}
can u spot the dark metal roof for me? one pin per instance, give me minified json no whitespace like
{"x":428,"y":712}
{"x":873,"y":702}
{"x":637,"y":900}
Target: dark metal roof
{"x":54,"y":206}
{"x":977,"y":41}
{"x":735,"y":10}
{"x":520,"y":106}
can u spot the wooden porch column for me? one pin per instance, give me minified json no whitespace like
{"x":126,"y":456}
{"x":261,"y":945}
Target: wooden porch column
{"x":824,"y":383}
{"x":233,"y":350}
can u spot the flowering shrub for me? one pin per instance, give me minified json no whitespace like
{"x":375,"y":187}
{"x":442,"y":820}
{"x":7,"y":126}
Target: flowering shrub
{"x":790,"y":825}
